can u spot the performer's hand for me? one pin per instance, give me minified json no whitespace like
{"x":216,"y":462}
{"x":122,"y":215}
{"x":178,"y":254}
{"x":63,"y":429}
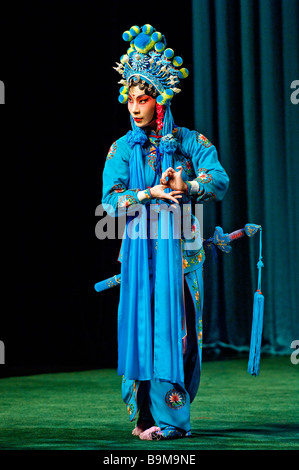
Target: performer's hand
{"x":173,"y":179}
{"x":157,"y":192}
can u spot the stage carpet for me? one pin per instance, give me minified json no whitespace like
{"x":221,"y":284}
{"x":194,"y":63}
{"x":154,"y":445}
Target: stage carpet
{"x":84,"y":410}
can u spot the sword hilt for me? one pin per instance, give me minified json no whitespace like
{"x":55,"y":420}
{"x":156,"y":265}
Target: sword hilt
{"x":222,"y":240}
{"x":237,"y":234}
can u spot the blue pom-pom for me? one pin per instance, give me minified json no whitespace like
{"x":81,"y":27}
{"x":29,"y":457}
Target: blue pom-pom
{"x":143,"y":43}
{"x":177,"y":61}
{"x":147,"y":29}
{"x":123,"y":99}
{"x":160,"y":46}
{"x":156,"y":36}
{"x":168,"y":53}
{"x":161,"y":99}
{"x":123,"y":90}
{"x":135,"y":30}
{"x":169,"y":93}
{"x":183,"y":73}
{"x":127,"y":36}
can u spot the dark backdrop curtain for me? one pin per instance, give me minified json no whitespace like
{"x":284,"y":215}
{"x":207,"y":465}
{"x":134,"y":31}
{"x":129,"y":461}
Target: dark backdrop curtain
{"x":246,"y":56}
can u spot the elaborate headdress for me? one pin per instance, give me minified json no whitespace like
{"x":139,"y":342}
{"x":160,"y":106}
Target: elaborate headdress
{"x":148,"y":59}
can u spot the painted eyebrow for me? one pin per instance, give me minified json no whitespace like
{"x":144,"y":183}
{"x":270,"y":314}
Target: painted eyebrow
{"x":141,"y":97}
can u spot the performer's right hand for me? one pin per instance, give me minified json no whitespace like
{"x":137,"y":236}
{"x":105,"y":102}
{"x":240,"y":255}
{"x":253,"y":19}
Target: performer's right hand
{"x":158,"y":192}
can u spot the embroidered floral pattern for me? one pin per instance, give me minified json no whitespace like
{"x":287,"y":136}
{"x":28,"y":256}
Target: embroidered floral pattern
{"x":126,"y":200}
{"x":192,"y":260}
{"x":132,"y":401}
{"x":151,"y":159}
{"x":197,"y":300}
{"x":196,"y":295}
{"x":195,"y":284}
{"x":204,"y":176}
{"x":135,"y":190}
{"x":199,"y":333}
{"x":203,"y":140}
{"x":175,"y":399}
{"x":187,"y":166}
{"x":209,"y":196}
{"x":112,"y":151}
{"x":118,"y":188}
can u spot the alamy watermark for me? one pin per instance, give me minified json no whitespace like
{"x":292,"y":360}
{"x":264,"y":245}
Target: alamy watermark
{"x":137,"y":222}
{"x":2,"y":354}
{"x":295,"y":94}
{"x":295,"y":354}
{"x":1,"y":92}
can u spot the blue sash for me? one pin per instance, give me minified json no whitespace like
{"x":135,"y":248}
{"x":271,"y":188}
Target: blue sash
{"x":150,"y":348}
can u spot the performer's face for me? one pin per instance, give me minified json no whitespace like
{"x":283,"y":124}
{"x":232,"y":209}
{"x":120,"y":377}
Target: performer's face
{"x":141,"y":107}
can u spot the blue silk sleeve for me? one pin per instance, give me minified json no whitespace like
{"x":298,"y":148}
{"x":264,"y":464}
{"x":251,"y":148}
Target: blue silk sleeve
{"x":211,"y":177}
{"x":116,"y":194}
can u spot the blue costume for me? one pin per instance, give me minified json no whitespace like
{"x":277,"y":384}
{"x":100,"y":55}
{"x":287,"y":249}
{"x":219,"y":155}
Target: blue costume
{"x":161,"y":297}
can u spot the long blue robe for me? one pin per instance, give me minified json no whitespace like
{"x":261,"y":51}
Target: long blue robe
{"x":168,"y":403}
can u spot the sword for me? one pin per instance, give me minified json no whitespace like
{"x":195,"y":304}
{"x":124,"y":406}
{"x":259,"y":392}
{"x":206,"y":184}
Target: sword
{"x":222,"y":240}
{"x":219,"y":239}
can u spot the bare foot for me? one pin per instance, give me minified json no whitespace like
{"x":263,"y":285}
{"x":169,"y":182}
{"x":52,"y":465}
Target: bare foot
{"x":147,"y":434}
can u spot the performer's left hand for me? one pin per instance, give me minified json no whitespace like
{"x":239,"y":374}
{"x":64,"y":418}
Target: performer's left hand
{"x":174,"y":179}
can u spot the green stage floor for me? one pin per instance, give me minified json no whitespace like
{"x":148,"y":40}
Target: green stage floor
{"x":84,"y":410}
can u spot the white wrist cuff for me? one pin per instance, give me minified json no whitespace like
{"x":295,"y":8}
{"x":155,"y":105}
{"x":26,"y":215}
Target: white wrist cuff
{"x":194,"y":187}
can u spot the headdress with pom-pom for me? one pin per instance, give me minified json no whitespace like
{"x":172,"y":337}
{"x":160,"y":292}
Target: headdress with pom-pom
{"x":148,"y":59}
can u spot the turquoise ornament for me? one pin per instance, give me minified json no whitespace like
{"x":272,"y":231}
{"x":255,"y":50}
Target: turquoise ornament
{"x":168,"y":53}
{"x":143,"y":43}
{"x":183,"y":73}
{"x":147,"y":29}
{"x":177,"y":61}
{"x":135,"y":30}
{"x":127,"y":36}
{"x":156,"y":36}
{"x":169,"y":93}
{"x":123,"y":99}
{"x":161,"y":100}
{"x":159,"y":46}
